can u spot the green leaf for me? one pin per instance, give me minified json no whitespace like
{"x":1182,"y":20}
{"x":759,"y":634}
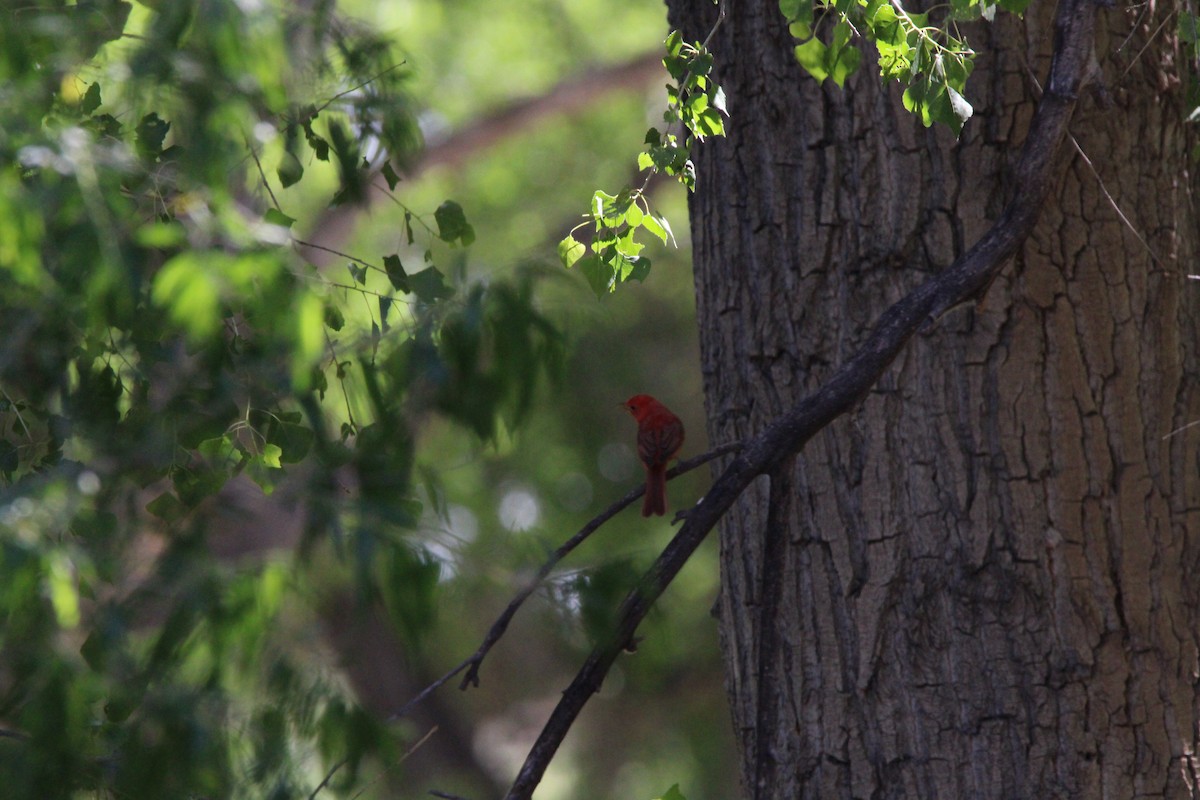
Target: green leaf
{"x":639,"y":269}
{"x":790,"y":8}
{"x":385,"y":306}
{"x":290,"y":170}
{"x":429,"y":285}
{"x":390,"y":175}
{"x":188,"y":289}
{"x":452,"y":224}
{"x":334,"y":319}
{"x":845,"y":65}
{"x":608,"y":207}
{"x":410,"y":579}
{"x":656,"y":225}
{"x":277,"y":217}
{"x":1014,"y":6}
{"x":627,"y":245}
{"x":166,"y":507}
{"x":672,"y":794}
{"x":570,"y":250}
{"x":151,"y":131}
{"x":161,"y":235}
{"x":396,"y":274}
{"x":674,"y":42}
{"x":811,"y":55}
{"x":91,"y":99}
{"x":9,"y":460}
{"x":841,"y":35}
{"x":1188,"y":28}
{"x":309,"y":314}
{"x":271,"y":454}
{"x":710,"y":123}
{"x":600,"y":274}
{"x":294,"y":441}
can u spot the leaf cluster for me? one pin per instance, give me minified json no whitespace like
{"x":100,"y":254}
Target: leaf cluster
{"x":695,"y":110}
{"x":165,"y":339}
{"x":932,"y":58}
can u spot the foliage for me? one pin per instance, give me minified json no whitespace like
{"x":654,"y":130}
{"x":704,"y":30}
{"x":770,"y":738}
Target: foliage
{"x":695,"y":108}
{"x":932,"y":58}
{"x":165,"y":339}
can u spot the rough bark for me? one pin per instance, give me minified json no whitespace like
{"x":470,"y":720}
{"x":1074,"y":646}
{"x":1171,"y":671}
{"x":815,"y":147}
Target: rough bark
{"x":979,"y":585}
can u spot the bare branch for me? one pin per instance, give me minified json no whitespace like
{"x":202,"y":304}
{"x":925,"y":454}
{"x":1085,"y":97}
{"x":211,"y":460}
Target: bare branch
{"x":498,"y":628}
{"x":964,"y":280}
{"x":333,"y":770}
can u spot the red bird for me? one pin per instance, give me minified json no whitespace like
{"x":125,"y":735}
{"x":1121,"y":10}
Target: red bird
{"x":660,"y":435}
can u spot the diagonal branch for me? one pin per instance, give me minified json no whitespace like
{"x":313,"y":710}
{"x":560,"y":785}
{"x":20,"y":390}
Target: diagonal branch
{"x":964,"y":280}
{"x":475,"y":660}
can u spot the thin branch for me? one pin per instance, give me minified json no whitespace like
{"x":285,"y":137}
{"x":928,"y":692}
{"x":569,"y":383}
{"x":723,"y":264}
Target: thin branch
{"x":1181,"y":428}
{"x":398,"y":762}
{"x":325,"y":249}
{"x":713,"y":31}
{"x":964,"y":280}
{"x":475,"y":660}
{"x":333,"y":770}
{"x":356,"y":87}
{"x":328,"y":777}
{"x":1149,"y":41}
{"x":1112,"y":201}
{"x":262,"y":174}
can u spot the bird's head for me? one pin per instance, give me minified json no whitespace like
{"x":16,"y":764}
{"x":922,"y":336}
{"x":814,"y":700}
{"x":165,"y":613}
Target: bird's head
{"x":640,"y":405}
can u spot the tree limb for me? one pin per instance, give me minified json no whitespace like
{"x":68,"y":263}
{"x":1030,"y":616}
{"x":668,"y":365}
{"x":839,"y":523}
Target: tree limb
{"x":475,"y":660}
{"x":964,"y":280}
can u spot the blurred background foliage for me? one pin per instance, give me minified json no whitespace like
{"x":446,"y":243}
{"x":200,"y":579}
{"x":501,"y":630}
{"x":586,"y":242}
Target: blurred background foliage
{"x":294,"y":395}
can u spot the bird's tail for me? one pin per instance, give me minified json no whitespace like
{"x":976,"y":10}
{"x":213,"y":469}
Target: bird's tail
{"x":655,"y":501}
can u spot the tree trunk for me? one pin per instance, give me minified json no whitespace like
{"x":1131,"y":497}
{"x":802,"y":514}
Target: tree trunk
{"x":980,"y":584}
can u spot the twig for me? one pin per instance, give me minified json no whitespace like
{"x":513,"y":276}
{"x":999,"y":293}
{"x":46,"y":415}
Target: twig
{"x":356,"y":87}
{"x":446,"y":795}
{"x":713,"y":31}
{"x":262,"y":174}
{"x":328,"y":777}
{"x":325,"y":249}
{"x":398,"y":762}
{"x":1149,"y":41}
{"x":967,"y":277}
{"x":1181,"y":429}
{"x":333,"y":770}
{"x":472,"y":663}
{"x":1112,"y":201}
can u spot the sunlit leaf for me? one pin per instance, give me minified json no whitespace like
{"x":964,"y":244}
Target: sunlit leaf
{"x":570,"y":250}
{"x":811,"y":55}
{"x":277,"y":217}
